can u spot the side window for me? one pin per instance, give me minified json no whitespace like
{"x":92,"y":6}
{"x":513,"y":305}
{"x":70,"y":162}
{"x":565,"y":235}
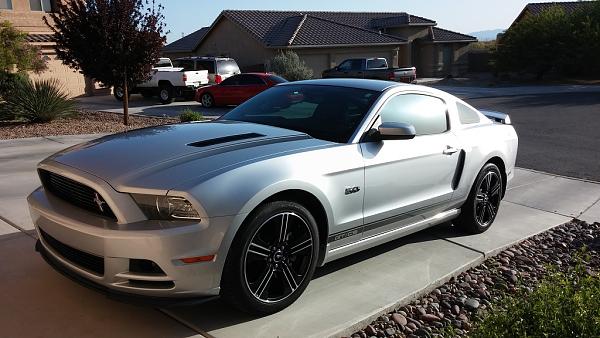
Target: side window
{"x":247,"y":80}
{"x":357,"y":64}
{"x":232,"y":81}
{"x":466,"y":114}
{"x":5,"y":4}
{"x":40,"y":5}
{"x":346,"y":65}
{"x":376,"y":63}
{"x":426,"y":113}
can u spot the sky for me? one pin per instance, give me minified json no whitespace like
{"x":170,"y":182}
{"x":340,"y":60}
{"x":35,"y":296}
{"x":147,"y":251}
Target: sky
{"x":465,"y":16}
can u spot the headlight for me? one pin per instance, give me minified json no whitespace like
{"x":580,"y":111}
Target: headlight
{"x":165,"y":207}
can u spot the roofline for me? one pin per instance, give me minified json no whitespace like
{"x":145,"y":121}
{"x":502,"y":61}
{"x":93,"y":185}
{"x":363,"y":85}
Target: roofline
{"x":341,"y":45}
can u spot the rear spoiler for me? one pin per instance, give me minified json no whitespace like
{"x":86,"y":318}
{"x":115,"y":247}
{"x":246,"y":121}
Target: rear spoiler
{"x":496,"y":116}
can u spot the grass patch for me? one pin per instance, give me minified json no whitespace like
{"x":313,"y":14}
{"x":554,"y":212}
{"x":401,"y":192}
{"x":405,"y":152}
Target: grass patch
{"x":565,"y":304}
{"x":188,"y":115}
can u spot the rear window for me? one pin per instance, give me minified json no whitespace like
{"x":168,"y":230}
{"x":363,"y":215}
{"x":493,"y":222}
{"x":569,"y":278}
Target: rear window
{"x":187,"y":65}
{"x":206,"y":65}
{"x":277,"y":79}
{"x":227,"y":67}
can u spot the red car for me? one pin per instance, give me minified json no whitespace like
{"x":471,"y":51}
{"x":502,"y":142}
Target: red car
{"x":236,"y":89}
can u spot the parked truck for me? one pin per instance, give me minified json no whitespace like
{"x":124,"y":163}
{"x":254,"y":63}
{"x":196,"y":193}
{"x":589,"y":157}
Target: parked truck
{"x":168,"y":83}
{"x":371,"y":68}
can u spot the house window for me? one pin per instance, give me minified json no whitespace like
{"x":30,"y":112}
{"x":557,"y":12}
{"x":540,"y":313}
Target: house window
{"x":41,"y":5}
{"x":5,"y":4}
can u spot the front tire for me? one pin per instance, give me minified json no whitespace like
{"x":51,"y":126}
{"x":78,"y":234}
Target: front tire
{"x":119,"y":93}
{"x":480,"y":210}
{"x":272,"y":259}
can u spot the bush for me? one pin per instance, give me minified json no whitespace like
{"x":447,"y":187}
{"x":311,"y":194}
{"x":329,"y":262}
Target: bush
{"x":563,"y":305}
{"x":189,"y":115}
{"x":289,"y":66}
{"x":39,"y":101}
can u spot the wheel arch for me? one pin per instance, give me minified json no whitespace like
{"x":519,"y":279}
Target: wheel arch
{"x":164,"y":83}
{"x":499,"y":162}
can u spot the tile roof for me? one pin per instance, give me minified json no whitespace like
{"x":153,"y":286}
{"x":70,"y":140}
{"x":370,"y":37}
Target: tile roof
{"x":187,"y":43}
{"x":39,"y":38}
{"x":569,"y":7}
{"x":443,"y":35}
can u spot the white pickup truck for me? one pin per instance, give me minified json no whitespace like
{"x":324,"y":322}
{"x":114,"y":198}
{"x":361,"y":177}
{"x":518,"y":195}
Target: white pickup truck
{"x":168,"y":83}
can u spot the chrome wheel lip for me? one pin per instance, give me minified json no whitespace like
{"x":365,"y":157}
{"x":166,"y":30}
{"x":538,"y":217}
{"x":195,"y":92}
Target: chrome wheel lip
{"x":487,"y":201}
{"x":119,"y":92}
{"x":284,"y":266}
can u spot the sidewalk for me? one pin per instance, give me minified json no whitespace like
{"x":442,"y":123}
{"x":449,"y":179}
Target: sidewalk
{"x":343,"y":296}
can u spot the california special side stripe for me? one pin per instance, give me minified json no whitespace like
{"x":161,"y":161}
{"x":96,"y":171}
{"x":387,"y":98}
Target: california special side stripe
{"x":380,"y":223}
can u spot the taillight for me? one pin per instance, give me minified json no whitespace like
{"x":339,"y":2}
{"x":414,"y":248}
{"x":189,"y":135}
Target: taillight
{"x":391,"y":76}
{"x":184,"y":78}
{"x":218,"y":79}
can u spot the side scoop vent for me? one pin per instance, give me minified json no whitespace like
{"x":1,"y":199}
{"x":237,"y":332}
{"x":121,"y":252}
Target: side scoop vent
{"x":225,"y":139}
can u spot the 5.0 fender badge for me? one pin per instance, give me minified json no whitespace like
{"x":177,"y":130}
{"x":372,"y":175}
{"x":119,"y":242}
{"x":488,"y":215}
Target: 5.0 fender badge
{"x":351,"y":190}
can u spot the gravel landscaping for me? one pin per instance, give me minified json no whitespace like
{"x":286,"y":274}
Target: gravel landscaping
{"x":82,"y":123}
{"x":455,"y":308}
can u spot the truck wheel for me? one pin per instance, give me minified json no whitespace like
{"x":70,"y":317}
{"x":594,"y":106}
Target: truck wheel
{"x":207,"y":100}
{"x":119,"y":93}
{"x":165,"y":94}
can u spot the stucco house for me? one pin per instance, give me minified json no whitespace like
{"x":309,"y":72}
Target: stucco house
{"x":324,"y":39}
{"x":27,"y":16}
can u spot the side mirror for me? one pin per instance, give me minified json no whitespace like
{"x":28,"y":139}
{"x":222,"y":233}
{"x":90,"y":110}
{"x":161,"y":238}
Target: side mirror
{"x":394,"y":131}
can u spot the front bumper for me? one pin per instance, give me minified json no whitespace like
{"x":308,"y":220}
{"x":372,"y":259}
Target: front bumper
{"x":101,"y":251}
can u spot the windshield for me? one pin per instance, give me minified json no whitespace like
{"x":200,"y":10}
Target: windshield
{"x":324,"y":112}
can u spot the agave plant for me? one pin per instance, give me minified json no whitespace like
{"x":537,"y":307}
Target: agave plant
{"x":39,"y":100}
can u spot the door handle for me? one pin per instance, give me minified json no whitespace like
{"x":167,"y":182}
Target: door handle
{"x":450,"y":150}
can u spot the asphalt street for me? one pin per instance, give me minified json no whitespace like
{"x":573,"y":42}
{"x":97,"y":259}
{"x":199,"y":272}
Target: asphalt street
{"x":558,"y":133}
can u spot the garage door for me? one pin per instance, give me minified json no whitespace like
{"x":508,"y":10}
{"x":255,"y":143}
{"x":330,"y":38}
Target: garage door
{"x":317,"y":62}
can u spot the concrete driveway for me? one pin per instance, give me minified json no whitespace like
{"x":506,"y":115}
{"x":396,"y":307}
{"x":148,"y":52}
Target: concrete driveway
{"x":37,"y":301}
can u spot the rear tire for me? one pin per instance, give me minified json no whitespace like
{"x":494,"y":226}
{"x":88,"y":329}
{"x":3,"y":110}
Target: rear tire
{"x":165,"y":93}
{"x":272,"y":259}
{"x":480,"y":210}
{"x":207,"y":100}
{"x":119,"y":93}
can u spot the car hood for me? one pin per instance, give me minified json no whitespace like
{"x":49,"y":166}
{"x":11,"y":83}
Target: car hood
{"x":166,"y":156}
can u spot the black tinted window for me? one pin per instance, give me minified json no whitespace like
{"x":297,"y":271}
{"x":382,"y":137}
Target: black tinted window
{"x":250,"y":80}
{"x":426,"y":113}
{"x":231,"y":81}
{"x":466,"y":115}
{"x":277,"y":79}
{"x":187,"y":65}
{"x":323,"y":112}
{"x":206,"y":65}
{"x":376,"y":63}
{"x":227,"y":67}
{"x":352,"y":64}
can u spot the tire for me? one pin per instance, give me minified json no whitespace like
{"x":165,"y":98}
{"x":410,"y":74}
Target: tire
{"x":266,"y":271}
{"x":119,"y":93}
{"x":480,"y":210}
{"x":147,"y":93}
{"x":165,"y":93}
{"x":207,"y":100}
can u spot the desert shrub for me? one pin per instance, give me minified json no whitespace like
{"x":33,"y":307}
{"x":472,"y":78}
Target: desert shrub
{"x":189,"y":115}
{"x":39,"y":101}
{"x":563,"y":305}
{"x":289,"y":66}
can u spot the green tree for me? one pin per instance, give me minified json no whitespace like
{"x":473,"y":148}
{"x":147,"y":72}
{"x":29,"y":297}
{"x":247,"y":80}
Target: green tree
{"x":115,"y":42}
{"x":15,"y":51}
{"x":288,"y":65}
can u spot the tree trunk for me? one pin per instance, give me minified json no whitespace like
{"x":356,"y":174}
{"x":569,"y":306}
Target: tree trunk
{"x":125,"y":103}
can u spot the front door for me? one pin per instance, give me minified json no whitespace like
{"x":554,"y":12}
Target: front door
{"x":409,"y":180}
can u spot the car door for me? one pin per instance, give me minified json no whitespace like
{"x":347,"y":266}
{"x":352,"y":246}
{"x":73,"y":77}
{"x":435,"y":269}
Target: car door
{"x":249,"y":85}
{"x":407,"y":181}
{"x":227,"y":91}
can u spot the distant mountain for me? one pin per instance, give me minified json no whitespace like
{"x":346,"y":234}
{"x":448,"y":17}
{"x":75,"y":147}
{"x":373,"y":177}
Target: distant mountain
{"x":487,"y":35}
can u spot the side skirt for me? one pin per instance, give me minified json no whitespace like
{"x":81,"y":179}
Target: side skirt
{"x":387,"y":236}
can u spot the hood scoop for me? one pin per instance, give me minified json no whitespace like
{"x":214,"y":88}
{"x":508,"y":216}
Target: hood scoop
{"x":225,"y":139}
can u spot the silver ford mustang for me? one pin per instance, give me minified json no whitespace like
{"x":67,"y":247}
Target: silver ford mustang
{"x":247,"y":206}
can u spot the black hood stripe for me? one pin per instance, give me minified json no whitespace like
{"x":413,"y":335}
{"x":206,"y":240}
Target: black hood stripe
{"x":225,"y":139}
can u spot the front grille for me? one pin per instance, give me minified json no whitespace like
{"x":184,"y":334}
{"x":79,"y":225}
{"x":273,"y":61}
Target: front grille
{"x":75,"y":193}
{"x":82,"y":259}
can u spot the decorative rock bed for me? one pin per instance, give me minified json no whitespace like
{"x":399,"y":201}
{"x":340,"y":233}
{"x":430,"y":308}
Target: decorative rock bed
{"x":466,"y":298}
